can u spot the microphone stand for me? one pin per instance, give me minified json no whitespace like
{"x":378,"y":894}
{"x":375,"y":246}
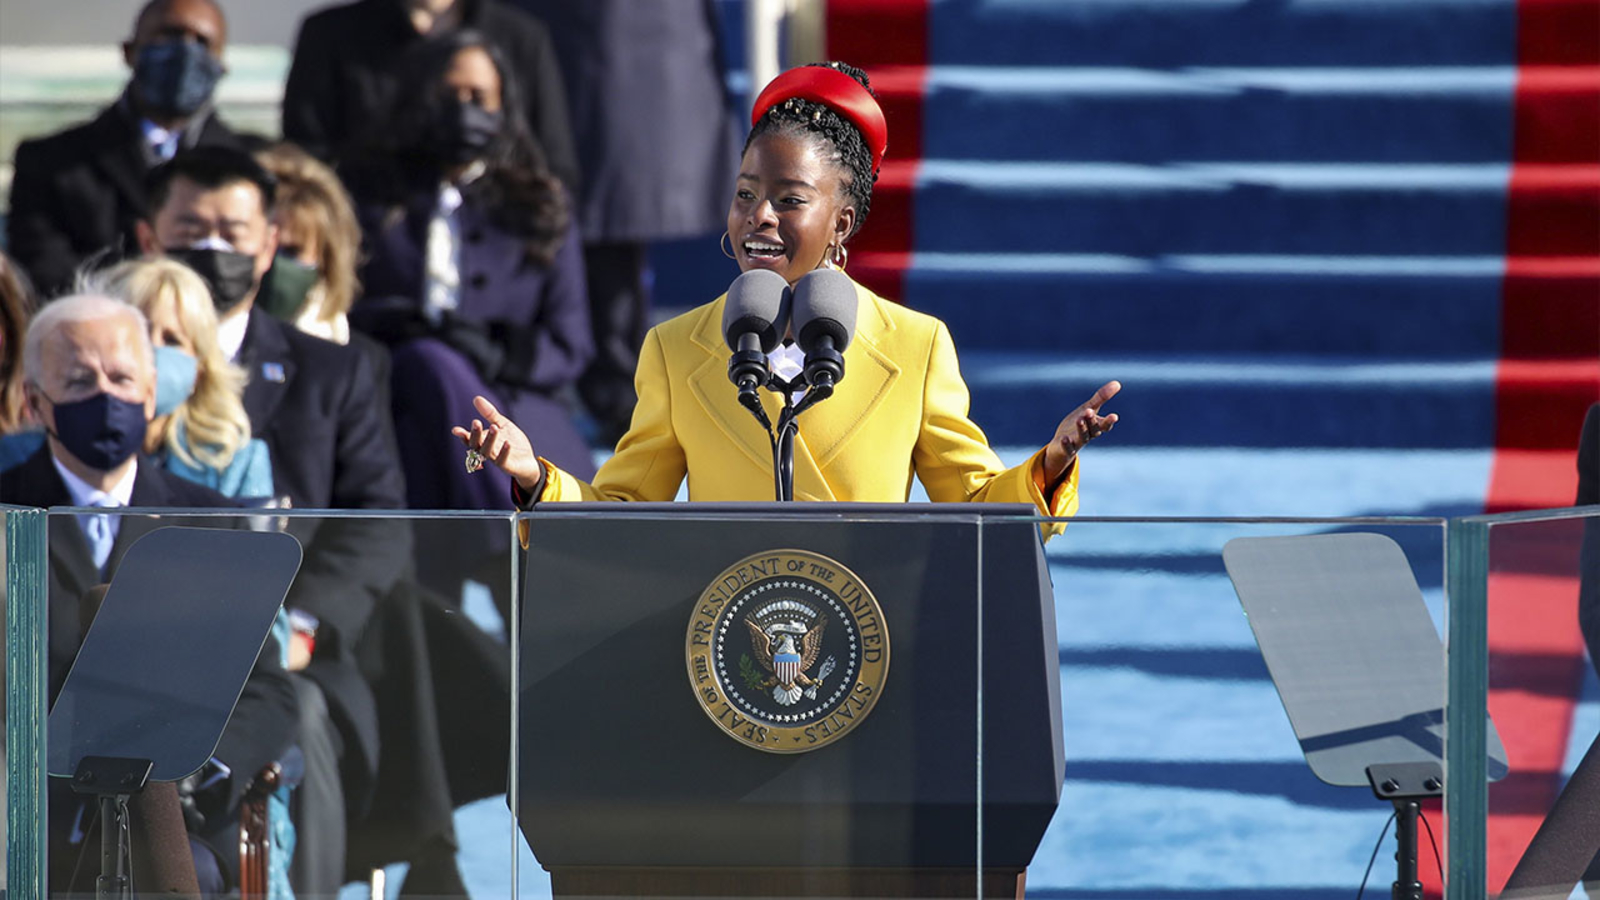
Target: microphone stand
{"x":782,"y":438}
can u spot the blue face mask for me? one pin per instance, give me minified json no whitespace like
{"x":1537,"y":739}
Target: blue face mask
{"x":175,"y":77}
{"x":175,"y":374}
{"x":101,"y":431}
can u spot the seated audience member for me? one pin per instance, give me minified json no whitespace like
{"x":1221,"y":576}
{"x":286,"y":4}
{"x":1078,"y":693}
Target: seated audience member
{"x":313,"y":402}
{"x":77,"y":194}
{"x":200,"y":431}
{"x":91,"y":384}
{"x":347,"y":65}
{"x":16,"y":306}
{"x":473,"y":279}
{"x":313,"y":280}
{"x":201,"y":434}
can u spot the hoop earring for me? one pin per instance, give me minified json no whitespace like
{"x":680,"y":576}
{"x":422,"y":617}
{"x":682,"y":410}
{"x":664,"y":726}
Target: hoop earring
{"x":726,"y":246}
{"x":838,"y":256}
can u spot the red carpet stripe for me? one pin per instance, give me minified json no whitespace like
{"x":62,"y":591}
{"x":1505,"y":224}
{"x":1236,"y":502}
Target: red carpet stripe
{"x":1548,"y":375}
{"x":889,"y":39}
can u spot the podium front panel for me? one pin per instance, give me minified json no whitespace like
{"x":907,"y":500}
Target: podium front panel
{"x":621,"y":764}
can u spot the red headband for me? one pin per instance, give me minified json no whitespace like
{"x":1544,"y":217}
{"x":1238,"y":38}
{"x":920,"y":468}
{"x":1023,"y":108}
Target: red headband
{"x":837,"y":91}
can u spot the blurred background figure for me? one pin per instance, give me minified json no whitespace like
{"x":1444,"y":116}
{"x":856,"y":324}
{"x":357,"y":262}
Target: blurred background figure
{"x":346,"y":70}
{"x":16,"y":306}
{"x":656,"y":134}
{"x":77,"y":194}
{"x":313,"y":279}
{"x":200,"y":431}
{"x":473,"y":277}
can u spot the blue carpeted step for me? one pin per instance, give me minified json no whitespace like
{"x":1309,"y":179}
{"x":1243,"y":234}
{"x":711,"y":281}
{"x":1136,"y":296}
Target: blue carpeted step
{"x":1019,"y":399}
{"x":1439,"y":115}
{"x":1170,"y":33}
{"x":1424,"y":210}
{"x":1414,"y":307}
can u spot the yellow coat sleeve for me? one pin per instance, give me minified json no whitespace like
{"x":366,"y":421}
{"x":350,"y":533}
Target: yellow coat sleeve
{"x":649,"y":463}
{"x":953,"y":459}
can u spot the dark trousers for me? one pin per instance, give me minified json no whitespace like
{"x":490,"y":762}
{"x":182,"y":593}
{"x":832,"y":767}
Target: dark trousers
{"x":619,"y":314}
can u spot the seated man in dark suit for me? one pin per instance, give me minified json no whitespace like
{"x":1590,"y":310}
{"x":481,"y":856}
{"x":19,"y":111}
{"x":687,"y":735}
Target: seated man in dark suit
{"x":78,"y":193}
{"x":90,"y":381}
{"x":315,"y":404}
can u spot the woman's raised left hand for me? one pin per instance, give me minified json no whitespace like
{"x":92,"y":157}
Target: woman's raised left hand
{"x":1081,"y":426}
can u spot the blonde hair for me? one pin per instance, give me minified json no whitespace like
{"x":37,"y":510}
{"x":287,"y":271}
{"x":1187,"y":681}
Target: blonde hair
{"x":16,"y":305}
{"x":209,"y":427}
{"x":313,"y":198}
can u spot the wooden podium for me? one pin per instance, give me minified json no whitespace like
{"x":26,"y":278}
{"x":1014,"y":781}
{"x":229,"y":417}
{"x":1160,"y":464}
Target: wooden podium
{"x":629,"y":783}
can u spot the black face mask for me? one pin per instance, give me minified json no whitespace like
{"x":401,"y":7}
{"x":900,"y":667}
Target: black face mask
{"x":175,"y":78}
{"x":462,"y":132}
{"x":101,"y":431}
{"x":230,"y":275}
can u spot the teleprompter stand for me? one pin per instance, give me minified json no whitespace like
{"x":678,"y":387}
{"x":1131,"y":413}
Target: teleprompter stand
{"x":1359,"y":666}
{"x":161,"y":668}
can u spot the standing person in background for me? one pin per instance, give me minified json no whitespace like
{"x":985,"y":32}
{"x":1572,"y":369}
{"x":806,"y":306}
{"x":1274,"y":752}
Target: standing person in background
{"x":660,"y":144}
{"x":658,"y":140}
{"x":346,"y":68}
{"x":77,"y":194}
{"x":473,"y":277}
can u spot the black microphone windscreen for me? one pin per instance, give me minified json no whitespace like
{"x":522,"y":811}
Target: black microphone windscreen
{"x":825,"y":304}
{"x":755,"y":304}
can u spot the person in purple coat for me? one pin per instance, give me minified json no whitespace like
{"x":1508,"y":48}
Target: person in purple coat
{"x":474,"y":270}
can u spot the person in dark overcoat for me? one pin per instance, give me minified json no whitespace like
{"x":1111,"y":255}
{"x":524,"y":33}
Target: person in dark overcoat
{"x":346,"y":68}
{"x":473,"y":272}
{"x":659,"y":143}
{"x":76,"y":194}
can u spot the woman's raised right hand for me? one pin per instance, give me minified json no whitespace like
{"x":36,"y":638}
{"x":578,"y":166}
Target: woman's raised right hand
{"x":503,"y":443}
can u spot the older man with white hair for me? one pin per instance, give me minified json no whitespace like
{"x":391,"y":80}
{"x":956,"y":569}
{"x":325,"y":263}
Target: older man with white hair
{"x":90,"y":381}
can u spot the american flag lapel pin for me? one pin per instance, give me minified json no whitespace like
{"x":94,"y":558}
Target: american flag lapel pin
{"x":272,"y":371}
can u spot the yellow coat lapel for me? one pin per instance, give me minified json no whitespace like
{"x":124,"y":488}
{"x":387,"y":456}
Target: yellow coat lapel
{"x":826,"y":428}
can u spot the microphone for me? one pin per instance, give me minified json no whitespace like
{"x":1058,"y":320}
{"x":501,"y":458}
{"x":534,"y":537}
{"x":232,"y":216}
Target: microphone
{"x":752,"y":319}
{"x":825,"y":319}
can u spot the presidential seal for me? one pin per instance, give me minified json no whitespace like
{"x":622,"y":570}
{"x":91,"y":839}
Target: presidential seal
{"x":787,"y":651}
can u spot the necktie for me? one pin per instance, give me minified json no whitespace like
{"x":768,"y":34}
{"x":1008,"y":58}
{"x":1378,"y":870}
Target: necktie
{"x":97,"y":528}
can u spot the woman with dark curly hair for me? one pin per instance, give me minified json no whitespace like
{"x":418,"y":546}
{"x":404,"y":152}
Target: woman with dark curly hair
{"x":474,"y":272}
{"x":804,"y":189}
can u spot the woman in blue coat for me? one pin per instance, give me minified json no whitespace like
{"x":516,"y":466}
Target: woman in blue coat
{"x":474,"y":269}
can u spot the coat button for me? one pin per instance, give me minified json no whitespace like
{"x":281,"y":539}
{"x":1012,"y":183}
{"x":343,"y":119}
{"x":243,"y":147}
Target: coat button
{"x":478,"y":280}
{"x":475,"y":236}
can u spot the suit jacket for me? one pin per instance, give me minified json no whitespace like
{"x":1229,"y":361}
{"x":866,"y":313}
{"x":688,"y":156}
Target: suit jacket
{"x":263,"y":722}
{"x":536,"y":316}
{"x":317,"y":407}
{"x":343,"y":76}
{"x":79,"y":192}
{"x":900,"y":410}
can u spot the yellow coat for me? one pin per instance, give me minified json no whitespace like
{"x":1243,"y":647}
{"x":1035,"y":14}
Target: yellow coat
{"x":901,"y":409}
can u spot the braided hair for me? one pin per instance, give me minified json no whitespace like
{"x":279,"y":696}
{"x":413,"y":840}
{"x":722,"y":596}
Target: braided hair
{"x":798,"y":117}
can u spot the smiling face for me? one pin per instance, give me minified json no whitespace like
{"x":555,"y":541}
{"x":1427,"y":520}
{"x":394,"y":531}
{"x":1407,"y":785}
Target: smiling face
{"x":788,"y":206}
